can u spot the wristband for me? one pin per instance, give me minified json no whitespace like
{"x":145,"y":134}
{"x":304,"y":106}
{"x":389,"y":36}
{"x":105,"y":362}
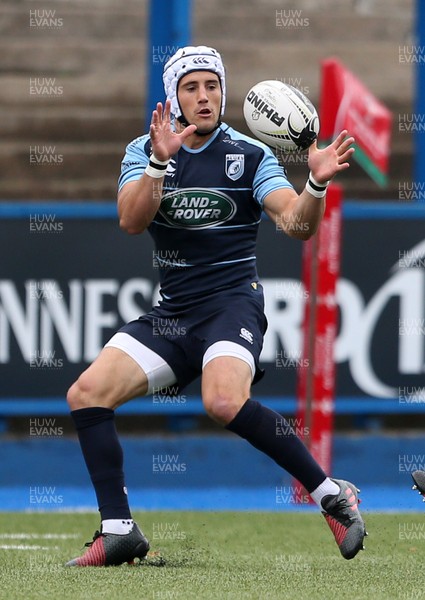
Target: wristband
{"x":156,"y":168}
{"x":318,"y":190}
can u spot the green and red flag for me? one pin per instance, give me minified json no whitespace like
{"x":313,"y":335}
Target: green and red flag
{"x":346,"y":103}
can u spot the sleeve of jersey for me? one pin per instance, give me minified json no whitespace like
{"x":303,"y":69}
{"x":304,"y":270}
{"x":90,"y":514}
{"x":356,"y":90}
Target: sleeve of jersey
{"x":270,"y":176}
{"x":134,"y":162}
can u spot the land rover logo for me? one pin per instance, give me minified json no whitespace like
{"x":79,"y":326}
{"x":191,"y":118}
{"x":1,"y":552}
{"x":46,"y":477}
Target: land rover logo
{"x":196,"y":208}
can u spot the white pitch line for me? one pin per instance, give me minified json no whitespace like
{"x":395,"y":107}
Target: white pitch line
{"x":24,"y":547}
{"x":36,"y":536}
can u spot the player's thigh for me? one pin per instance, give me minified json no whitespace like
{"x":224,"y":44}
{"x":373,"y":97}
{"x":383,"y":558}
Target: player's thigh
{"x":112,"y":379}
{"x":226,"y":384}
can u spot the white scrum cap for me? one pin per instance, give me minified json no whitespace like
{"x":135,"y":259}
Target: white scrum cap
{"x":186,"y":60}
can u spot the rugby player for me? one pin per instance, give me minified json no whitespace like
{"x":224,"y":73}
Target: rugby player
{"x":199,"y":187}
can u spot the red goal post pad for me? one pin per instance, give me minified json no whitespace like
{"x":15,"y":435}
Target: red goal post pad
{"x":346,"y":103}
{"x":316,"y":375}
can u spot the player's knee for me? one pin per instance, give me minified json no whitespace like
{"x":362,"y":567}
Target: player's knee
{"x":82,"y":394}
{"x":222,"y":407}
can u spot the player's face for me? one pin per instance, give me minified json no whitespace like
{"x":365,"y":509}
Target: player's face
{"x":199,"y":95}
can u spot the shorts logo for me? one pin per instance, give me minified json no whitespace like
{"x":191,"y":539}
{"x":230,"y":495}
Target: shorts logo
{"x":235,"y":166}
{"x":246,"y":335}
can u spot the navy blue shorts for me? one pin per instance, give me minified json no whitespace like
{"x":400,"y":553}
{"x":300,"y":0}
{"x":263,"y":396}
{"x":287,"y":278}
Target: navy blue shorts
{"x":187,"y":336}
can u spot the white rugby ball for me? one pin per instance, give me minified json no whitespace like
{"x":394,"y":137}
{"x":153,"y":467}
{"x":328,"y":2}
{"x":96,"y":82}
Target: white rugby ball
{"x":281,"y":116}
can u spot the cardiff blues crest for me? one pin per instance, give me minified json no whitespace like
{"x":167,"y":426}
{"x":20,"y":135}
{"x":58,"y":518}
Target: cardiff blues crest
{"x":235,"y":165}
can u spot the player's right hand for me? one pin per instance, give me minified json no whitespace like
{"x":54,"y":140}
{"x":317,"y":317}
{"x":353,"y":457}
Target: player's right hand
{"x":166,"y":142}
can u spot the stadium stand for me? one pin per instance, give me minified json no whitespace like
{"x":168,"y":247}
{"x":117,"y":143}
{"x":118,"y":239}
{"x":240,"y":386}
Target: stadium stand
{"x":98,"y":70}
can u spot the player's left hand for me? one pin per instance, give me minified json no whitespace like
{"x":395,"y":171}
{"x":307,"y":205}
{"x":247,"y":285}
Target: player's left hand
{"x":325,"y":163}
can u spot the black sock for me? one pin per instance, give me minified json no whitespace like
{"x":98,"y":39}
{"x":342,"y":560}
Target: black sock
{"x":104,"y":459}
{"x":260,"y":427}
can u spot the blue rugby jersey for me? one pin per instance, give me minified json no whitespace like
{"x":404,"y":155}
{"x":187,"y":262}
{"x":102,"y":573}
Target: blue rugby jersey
{"x":206,"y":227}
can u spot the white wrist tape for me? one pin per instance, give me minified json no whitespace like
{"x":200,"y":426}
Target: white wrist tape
{"x":318,"y":190}
{"x":156,"y":168}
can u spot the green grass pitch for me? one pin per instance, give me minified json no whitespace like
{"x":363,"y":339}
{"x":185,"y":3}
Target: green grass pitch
{"x":217,"y":556}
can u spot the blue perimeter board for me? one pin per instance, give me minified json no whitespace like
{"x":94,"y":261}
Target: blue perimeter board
{"x":108,"y":210}
{"x":204,"y":472}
